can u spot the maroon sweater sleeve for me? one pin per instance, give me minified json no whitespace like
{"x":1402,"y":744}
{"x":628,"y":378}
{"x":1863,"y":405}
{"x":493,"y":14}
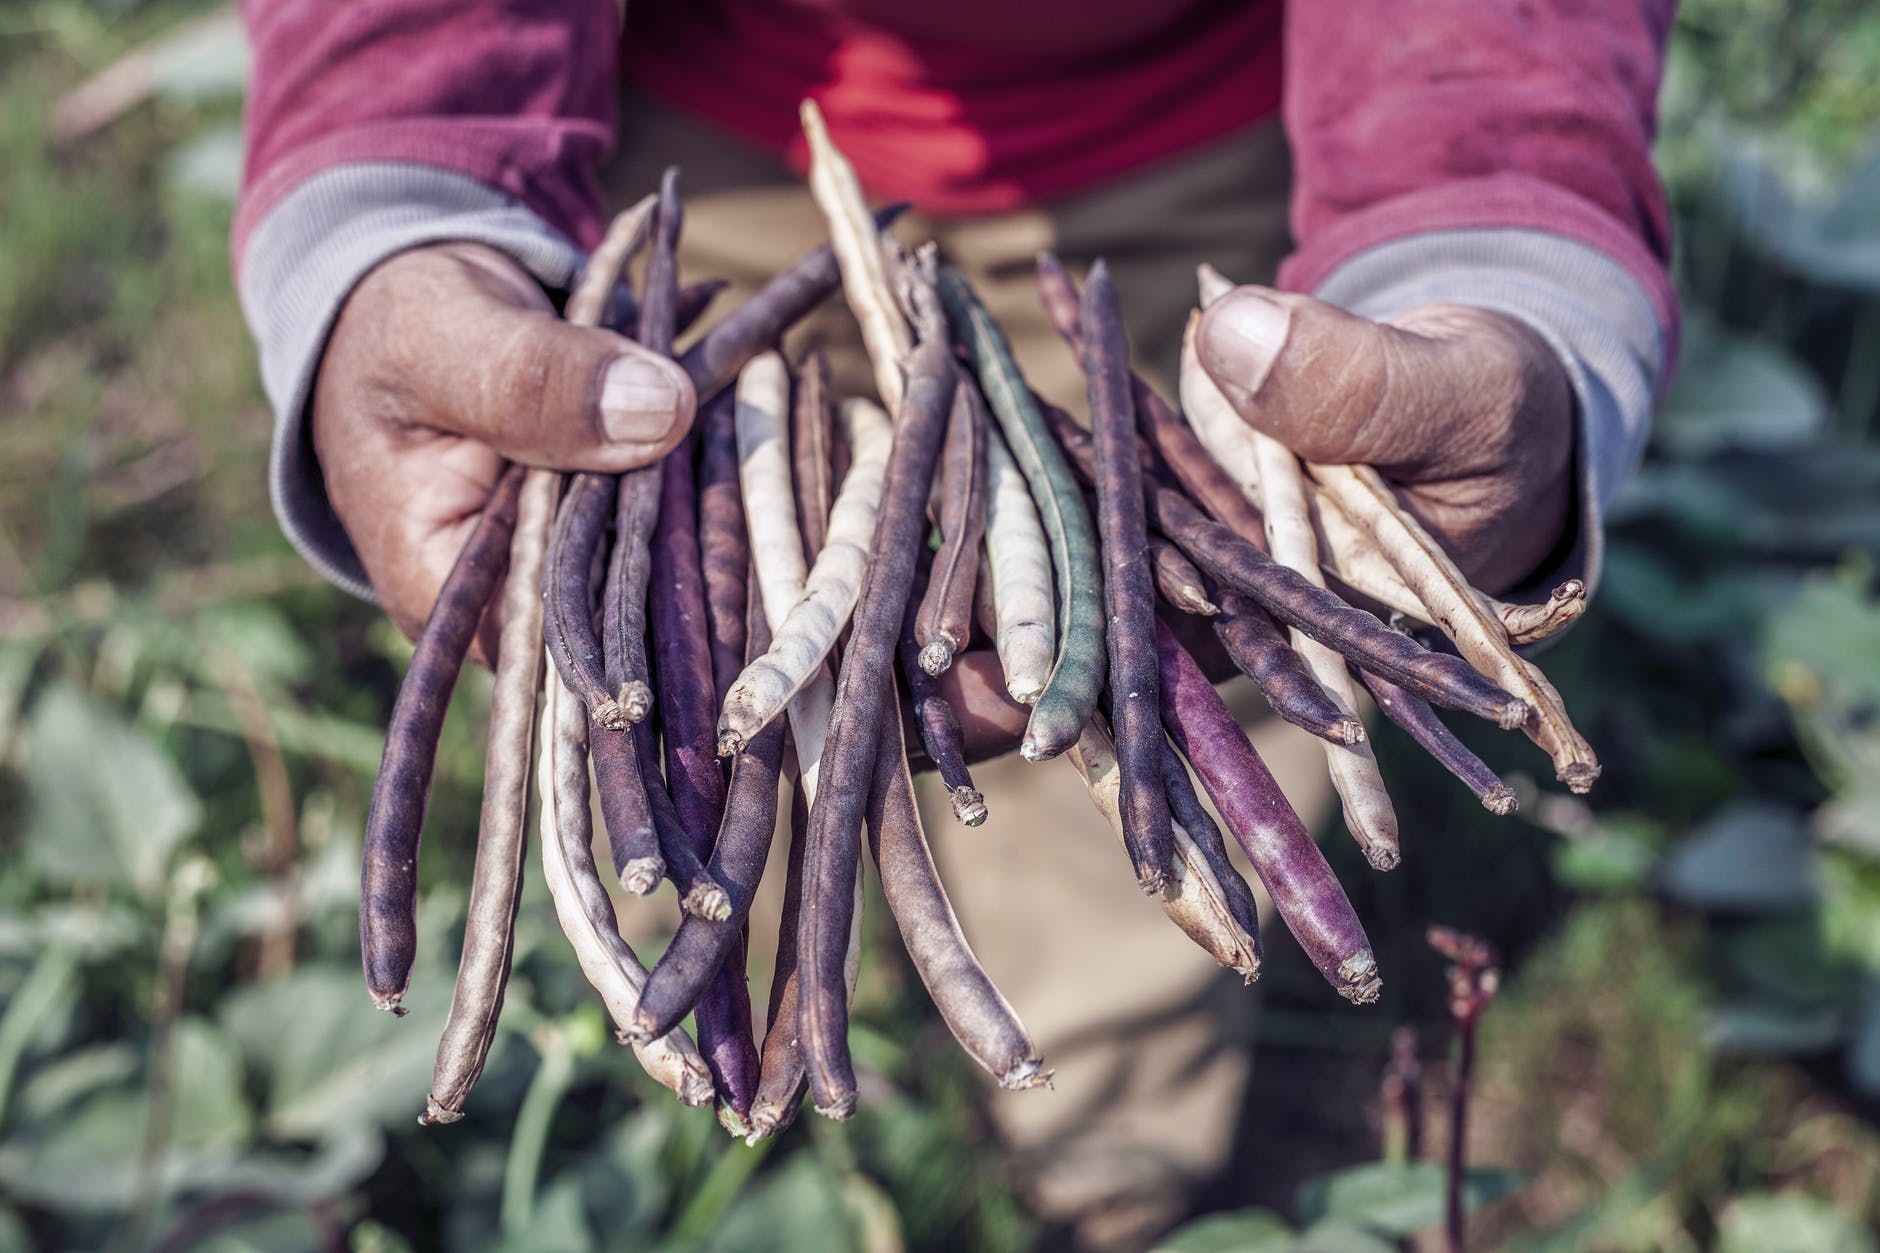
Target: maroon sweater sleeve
{"x":1435,"y":115}
{"x":518,"y":94}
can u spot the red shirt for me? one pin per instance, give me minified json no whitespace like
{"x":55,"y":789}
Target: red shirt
{"x":968,"y":106}
{"x":1403,"y":117}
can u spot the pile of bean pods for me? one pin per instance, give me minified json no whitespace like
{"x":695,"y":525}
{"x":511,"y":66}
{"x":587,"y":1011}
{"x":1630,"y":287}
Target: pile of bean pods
{"x":770,"y":600}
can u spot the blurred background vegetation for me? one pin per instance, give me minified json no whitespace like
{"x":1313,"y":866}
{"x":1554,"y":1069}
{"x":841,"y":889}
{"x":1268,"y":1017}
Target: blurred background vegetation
{"x":1686,"y":1053}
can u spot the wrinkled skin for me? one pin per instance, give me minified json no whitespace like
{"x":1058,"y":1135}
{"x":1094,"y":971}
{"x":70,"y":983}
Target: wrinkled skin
{"x":448,"y":360}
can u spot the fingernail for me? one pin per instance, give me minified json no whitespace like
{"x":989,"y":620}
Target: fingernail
{"x":1241,"y":336}
{"x":639,"y":400}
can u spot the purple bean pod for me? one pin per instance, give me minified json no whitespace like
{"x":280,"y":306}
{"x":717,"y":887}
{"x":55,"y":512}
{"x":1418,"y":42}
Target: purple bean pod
{"x":388,"y":880}
{"x":832,"y":852}
{"x":1284,"y":855}
{"x":1128,"y":586}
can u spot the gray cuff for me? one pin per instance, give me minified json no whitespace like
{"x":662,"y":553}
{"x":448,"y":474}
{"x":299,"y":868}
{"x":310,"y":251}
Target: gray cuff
{"x":301,"y":263}
{"x":1586,"y":305}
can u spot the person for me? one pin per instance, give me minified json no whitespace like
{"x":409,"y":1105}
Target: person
{"x":1454,"y":202}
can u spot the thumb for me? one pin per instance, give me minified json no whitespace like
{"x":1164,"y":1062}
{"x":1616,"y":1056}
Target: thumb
{"x":1336,"y":387}
{"x":477,"y":350}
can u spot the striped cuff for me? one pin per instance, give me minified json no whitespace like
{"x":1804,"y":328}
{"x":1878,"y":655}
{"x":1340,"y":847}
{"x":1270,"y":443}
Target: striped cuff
{"x":299,"y":266}
{"x":1594,"y":313}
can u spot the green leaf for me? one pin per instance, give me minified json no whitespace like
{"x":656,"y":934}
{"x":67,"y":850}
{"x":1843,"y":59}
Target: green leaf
{"x":797,"y":1208}
{"x":1735,"y":392}
{"x":76,"y":1076}
{"x":1615,"y":856}
{"x":1244,"y":1231}
{"x":1397,"y":1201}
{"x":1767,"y":1029}
{"x":13,"y":1234}
{"x":1790,"y":1223}
{"x":1823,"y":649}
{"x":208,"y":1109}
{"x":108,"y":807}
{"x":1752,"y":857}
{"x":330,"y":1059}
{"x":1334,"y":1236}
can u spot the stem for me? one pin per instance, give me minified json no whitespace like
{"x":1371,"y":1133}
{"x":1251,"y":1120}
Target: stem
{"x":31,"y":1003}
{"x":721,"y":1186}
{"x":1455,"y":1218}
{"x":524,"y":1165}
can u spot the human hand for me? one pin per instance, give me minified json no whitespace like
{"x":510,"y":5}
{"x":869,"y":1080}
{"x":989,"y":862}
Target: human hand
{"x":446,"y":362}
{"x":1467,"y":412}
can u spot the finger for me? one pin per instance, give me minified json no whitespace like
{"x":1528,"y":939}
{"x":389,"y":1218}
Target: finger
{"x":1429,"y":399}
{"x":457,"y":339}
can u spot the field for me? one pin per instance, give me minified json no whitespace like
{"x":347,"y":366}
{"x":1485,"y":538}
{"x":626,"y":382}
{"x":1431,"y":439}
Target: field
{"x":1685,"y":1053}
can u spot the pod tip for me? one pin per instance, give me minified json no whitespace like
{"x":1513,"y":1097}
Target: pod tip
{"x":641,"y":875}
{"x":609,"y":714}
{"x":1348,"y":731}
{"x":730,"y":743}
{"x":392,"y":1003}
{"x":936,"y":657}
{"x":437,"y":1115}
{"x":1382,"y":857}
{"x":1501,"y":800}
{"x":1514,"y":714}
{"x":1029,"y":1073}
{"x":732,"y":1121}
{"x":695,"y":1088}
{"x":841,"y":1111}
{"x":635,"y":700}
{"x":1579,"y":776}
{"x":969,"y":806}
{"x":1358,"y":978}
{"x":708,"y":901}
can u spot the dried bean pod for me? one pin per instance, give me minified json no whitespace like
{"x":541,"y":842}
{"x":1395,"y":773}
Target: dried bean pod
{"x":760,"y":322}
{"x":979,"y":1016}
{"x":812,"y":451}
{"x":1179,"y":582}
{"x":724,"y":547}
{"x":1260,"y":650}
{"x":699,"y":948}
{"x":1369,"y":815}
{"x":568,"y":595}
{"x":832,"y":852}
{"x":1063,"y":709}
{"x":1196,"y":900}
{"x":1128,"y":585}
{"x":1303,"y":887}
{"x":388,"y":887}
{"x":582,"y":906}
{"x":1016,"y":579}
{"x":1414,"y":715}
{"x":944,"y":619}
{"x":939,"y":726}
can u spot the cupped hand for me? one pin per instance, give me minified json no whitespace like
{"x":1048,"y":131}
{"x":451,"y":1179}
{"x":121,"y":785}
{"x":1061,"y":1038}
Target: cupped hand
{"x":1467,"y":412}
{"x":446,"y":362}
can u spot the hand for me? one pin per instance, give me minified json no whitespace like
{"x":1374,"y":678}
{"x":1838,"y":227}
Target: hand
{"x":446,"y":362}
{"x":1468,"y":412}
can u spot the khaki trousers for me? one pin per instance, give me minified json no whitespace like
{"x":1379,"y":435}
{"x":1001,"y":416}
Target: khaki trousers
{"x":1135,"y":1019}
